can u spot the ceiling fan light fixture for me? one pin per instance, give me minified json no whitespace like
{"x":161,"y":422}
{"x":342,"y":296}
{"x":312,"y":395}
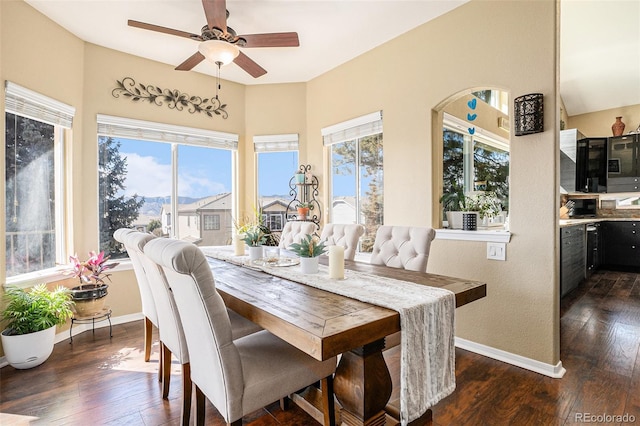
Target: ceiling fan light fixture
{"x":218,"y":51}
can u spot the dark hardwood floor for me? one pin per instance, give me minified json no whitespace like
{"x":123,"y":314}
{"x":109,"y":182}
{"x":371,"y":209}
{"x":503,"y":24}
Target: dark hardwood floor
{"x":102,"y":381}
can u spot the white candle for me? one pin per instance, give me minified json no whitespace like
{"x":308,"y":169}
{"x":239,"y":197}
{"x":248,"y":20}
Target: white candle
{"x":336,"y":262}
{"x":238,"y":246}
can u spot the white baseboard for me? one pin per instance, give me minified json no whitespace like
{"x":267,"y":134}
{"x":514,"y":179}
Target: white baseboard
{"x":81,"y":328}
{"x":555,"y":371}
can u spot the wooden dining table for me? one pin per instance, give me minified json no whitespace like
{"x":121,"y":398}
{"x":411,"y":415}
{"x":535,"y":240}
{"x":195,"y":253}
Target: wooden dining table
{"x":323,"y":325}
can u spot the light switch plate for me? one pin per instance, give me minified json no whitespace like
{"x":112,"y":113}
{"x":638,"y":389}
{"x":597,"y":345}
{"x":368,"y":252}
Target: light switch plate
{"x":497,"y":251}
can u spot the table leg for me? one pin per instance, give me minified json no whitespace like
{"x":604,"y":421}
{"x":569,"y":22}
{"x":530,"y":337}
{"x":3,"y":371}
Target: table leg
{"x":363,"y":385}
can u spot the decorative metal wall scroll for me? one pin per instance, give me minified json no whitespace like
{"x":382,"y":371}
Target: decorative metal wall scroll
{"x":173,"y":98}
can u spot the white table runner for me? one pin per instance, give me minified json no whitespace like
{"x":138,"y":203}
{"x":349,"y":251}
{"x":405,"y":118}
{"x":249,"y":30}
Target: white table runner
{"x":427,"y":368}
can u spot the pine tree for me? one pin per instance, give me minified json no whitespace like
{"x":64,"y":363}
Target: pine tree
{"x":116,"y":211}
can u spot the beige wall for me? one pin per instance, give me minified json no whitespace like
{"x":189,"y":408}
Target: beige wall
{"x":273,"y":109}
{"x":407,"y":79}
{"x":599,"y":123}
{"x":410,"y":76}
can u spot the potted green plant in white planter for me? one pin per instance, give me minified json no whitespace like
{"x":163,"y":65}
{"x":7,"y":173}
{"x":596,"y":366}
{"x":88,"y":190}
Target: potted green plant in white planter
{"x":255,"y":238}
{"x":32,"y":316}
{"x":309,"y":248}
{"x":454,"y":204}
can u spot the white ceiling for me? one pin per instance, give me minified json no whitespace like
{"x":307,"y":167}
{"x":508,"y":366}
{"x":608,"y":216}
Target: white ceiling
{"x":599,"y":56}
{"x":331,"y":32}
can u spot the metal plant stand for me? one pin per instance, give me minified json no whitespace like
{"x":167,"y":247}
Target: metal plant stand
{"x":305,"y":192}
{"x":105,"y":314}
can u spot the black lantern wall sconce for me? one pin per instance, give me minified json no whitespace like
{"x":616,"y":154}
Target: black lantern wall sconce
{"x":529,"y":114}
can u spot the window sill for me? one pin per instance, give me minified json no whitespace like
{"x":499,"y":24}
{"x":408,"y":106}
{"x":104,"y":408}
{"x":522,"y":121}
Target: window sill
{"x":485,"y":235}
{"x":51,"y":275}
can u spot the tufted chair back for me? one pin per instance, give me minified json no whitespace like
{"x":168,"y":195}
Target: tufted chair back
{"x":293,"y":232}
{"x":238,"y":377}
{"x":343,"y":235}
{"x":146,"y":297}
{"x":148,"y":306}
{"x":402,"y":247}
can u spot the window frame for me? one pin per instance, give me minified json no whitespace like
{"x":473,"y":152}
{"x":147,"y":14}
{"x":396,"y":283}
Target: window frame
{"x":456,"y":125}
{"x":270,"y":144}
{"x":175,"y":136}
{"x":32,"y":105}
{"x":353,"y":130}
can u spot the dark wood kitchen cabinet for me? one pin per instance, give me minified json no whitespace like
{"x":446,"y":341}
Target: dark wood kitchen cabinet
{"x":621,"y":244}
{"x":572,"y":257}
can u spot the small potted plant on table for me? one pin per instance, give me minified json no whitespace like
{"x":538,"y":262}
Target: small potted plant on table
{"x":309,"y":248}
{"x":255,"y":238}
{"x":32,"y":316}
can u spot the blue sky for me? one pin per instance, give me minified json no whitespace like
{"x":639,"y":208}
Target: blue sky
{"x":205,"y":171}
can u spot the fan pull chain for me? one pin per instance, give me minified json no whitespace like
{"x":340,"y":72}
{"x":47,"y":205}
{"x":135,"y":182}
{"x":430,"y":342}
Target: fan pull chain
{"x":218,"y":86}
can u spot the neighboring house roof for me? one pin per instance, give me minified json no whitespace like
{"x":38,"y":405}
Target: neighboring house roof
{"x":213,"y":202}
{"x":273,"y":204}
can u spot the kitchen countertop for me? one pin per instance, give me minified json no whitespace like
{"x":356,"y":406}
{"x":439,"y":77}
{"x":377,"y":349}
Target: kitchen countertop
{"x":570,"y":222}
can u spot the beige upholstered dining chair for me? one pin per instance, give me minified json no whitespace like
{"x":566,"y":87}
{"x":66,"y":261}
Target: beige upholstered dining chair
{"x":404,"y":247}
{"x":172,"y":340}
{"x":343,"y":235}
{"x":148,"y":305}
{"x":293,"y":232}
{"x":237,"y":376}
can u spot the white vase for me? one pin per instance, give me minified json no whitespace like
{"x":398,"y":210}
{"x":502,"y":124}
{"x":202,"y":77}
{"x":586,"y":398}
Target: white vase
{"x":28,"y":350}
{"x":309,"y":265}
{"x":255,"y":253}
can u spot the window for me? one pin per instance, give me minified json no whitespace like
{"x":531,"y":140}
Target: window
{"x":277,"y":161}
{"x":497,"y":99}
{"x":356,"y":164}
{"x":35,"y":127}
{"x":211,"y":222}
{"x":165,"y":177}
{"x":274,"y":221}
{"x":478,"y":162}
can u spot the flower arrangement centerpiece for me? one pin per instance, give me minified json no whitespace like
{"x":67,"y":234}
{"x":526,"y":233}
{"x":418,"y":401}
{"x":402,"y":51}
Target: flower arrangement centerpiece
{"x":92,"y":274}
{"x":309,"y":248}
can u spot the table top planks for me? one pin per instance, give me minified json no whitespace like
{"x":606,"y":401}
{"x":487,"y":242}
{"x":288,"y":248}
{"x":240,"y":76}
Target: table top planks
{"x":318,"y":322}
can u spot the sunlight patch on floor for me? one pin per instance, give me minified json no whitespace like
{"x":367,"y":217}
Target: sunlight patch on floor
{"x":132,"y":359}
{"x":16,"y":420}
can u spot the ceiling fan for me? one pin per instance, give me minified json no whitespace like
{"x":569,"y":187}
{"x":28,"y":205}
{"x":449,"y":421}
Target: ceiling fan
{"x":216,"y":34}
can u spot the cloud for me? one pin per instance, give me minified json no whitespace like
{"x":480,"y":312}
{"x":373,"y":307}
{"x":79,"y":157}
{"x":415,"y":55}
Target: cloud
{"x":147,"y":177}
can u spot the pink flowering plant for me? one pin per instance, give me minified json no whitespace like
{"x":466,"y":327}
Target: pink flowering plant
{"x":93,"y":270}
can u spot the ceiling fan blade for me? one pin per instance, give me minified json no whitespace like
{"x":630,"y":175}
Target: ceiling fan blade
{"x":164,"y":30}
{"x":272,"y":40}
{"x":248,"y":64}
{"x":191,"y":62}
{"x":216,"y":13}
